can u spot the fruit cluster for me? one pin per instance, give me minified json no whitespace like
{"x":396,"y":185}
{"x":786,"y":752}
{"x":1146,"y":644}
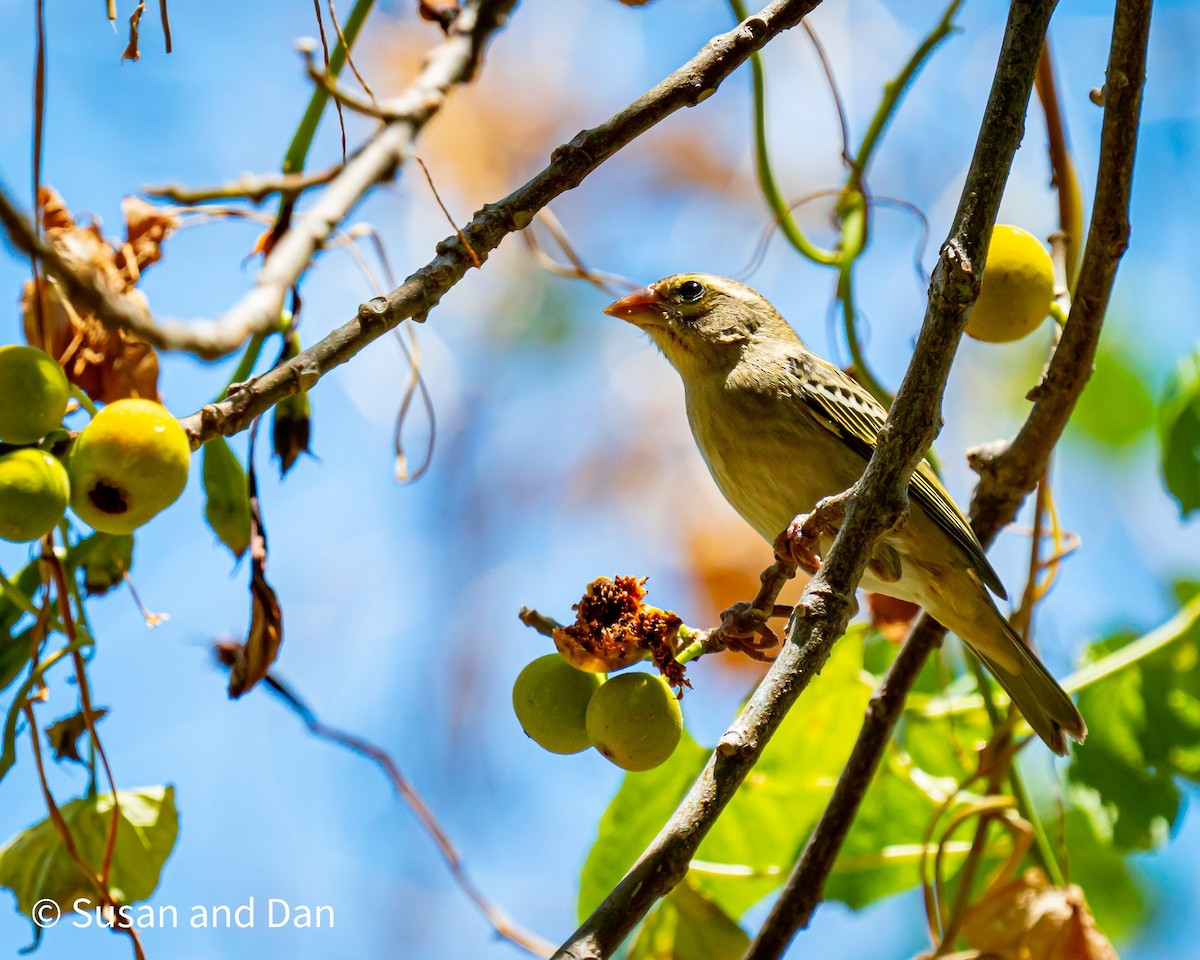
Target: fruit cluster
{"x":127,"y":465}
{"x":633,"y":719}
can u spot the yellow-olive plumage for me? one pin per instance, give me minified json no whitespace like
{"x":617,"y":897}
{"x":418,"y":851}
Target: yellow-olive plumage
{"x":780,"y":429}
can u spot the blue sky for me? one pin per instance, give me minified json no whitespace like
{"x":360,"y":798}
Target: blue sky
{"x":400,"y":601}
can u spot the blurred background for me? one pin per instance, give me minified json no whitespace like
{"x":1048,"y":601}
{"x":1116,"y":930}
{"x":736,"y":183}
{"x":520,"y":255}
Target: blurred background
{"x":562,"y":450}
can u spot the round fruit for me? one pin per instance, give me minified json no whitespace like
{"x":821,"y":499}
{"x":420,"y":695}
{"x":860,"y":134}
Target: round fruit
{"x":1018,"y":287}
{"x":33,"y":494}
{"x":550,"y":698}
{"x":128,"y":464}
{"x":33,"y":394}
{"x":634,"y":720}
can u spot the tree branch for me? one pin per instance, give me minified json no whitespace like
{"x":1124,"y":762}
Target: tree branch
{"x":569,"y":165}
{"x":452,"y":62}
{"x":249,"y":186}
{"x":1008,"y":476}
{"x":876,"y":503}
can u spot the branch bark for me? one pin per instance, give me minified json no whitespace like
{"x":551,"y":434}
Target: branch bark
{"x":453,"y":62}
{"x":1008,"y":475}
{"x":569,"y":165}
{"x":876,"y":503}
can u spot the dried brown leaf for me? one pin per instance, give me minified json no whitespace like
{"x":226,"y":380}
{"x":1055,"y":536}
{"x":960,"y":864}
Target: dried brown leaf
{"x":1028,"y":919}
{"x":135,"y":21}
{"x":256,"y":656}
{"x":63,"y":735}
{"x":108,"y":365}
{"x":146,"y":226}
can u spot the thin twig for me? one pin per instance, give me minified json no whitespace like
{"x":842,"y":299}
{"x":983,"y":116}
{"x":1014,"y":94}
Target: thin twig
{"x":834,"y":89}
{"x":570,"y":165}
{"x":349,"y":58}
{"x":500,"y":921}
{"x":1062,"y":167}
{"x":575,"y":268}
{"x":454,"y":61}
{"x":325,"y":56}
{"x":166,"y":24}
{"x":249,"y":186}
{"x":85,"y":697}
{"x":475,"y":262}
{"x":341,"y":96}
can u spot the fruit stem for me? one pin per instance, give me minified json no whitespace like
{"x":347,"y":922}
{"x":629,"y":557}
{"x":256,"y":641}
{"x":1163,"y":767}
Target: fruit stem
{"x":1057,"y":313}
{"x":84,"y":400}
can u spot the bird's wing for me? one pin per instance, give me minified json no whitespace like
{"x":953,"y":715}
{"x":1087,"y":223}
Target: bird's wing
{"x":841,"y":405}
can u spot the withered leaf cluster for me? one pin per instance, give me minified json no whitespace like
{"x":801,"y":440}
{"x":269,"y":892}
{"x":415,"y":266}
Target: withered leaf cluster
{"x":107,"y":365}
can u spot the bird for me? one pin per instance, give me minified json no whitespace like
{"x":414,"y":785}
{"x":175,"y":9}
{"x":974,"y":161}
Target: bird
{"x":781,"y":429}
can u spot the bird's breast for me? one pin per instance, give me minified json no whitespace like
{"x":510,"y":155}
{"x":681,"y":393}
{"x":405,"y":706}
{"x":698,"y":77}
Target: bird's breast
{"x":768,"y":456}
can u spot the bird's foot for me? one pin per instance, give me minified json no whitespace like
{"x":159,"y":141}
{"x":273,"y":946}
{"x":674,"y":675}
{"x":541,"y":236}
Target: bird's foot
{"x":801,"y":540}
{"x":744,"y":629}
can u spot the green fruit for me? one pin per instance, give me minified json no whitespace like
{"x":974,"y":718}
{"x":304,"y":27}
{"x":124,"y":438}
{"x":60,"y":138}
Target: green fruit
{"x":1018,"y":286}
{"x":635,"y":721}
{"x":550,"y":698}
{"x":33,"y":394}
{"x":33,"y":494}
{"x":128,"y":464}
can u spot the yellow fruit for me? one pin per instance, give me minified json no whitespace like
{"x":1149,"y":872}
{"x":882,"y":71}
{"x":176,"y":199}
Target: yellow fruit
{"x":33,"y":494}
{"x":635,"y":721}
{"x":128,"y":464}
{"x":1018,"y":287}
{"x":550,"y":698}
{"x":33,"y":394}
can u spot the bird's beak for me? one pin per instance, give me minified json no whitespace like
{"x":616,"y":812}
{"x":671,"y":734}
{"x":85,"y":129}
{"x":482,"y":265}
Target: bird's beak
{"x":642,"y":308}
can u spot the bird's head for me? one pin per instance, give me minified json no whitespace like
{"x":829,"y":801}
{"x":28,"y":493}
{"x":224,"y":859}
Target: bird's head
{"x":703,"y":324}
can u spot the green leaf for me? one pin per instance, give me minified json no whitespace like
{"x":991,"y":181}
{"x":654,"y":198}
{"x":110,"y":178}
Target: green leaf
{"x":1112,"y":889}
{"x":1144,"y":731}
{"x":943,"y":746}
{"x":35,"y":865}
{"x":1116,"y":410}
{"x":687,"y":925}
{"x":763,"y":829}
{"x":882,"y":853}
{"x":1144,"y":800}
{"x":105,"y":560}
{"x":226,"y":495}
{"x":641,"y":806}
{"x":14,"y":655}
{"x":1179,"y":428}
{"x":15,"y":649}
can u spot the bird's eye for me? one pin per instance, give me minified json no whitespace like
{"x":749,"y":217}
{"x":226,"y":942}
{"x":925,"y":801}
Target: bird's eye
{"x":691,"y":290}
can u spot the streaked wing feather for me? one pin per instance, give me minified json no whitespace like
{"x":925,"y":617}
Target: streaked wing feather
{"x":842,"y":405}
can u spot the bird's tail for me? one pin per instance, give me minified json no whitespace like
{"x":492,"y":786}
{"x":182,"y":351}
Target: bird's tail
{"x":1044,"y":704}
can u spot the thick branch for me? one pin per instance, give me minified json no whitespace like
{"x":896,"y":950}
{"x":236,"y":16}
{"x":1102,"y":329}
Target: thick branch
{"x":1010,"y":476}
{"x":454,"y":61}
{"x":878,"y":501}
{"x":569,"y":165}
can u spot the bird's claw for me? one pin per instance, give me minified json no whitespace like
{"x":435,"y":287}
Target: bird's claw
{"x":744,"y":629}
{"x":795,"y":546}
{"x":801,"y":540}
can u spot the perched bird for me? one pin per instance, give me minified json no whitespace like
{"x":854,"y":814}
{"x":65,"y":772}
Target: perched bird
{"x":780,"y":429}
